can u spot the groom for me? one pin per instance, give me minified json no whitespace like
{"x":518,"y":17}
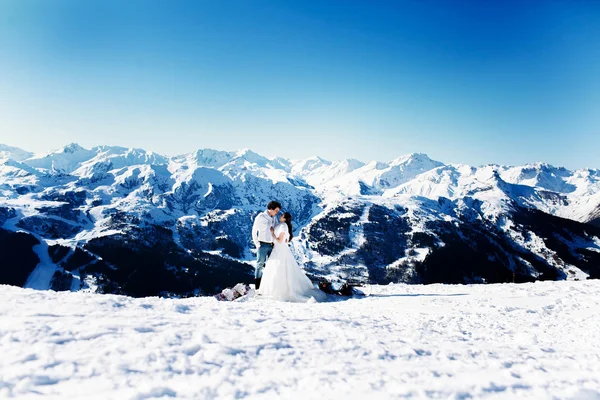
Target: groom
{"x":263,"y":238}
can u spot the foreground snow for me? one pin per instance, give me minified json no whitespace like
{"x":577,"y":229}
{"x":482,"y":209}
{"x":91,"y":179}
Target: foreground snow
{"x":537,"y":340}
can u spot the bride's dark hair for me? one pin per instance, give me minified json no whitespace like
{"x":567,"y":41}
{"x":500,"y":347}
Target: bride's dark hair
{"x":288,"y":221}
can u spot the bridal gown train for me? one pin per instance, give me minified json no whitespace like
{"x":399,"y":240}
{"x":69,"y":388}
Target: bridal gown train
{"x":283,"y":279}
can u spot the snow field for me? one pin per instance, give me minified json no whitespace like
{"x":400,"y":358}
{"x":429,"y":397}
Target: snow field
{"x":539,"y":340}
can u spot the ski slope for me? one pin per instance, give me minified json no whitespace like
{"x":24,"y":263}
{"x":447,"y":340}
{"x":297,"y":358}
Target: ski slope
{"x":539,"y":340}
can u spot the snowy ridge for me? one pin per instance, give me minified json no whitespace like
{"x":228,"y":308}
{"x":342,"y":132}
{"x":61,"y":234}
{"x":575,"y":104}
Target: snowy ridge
{"x":14,"y":153}
{"x":414,"y":174}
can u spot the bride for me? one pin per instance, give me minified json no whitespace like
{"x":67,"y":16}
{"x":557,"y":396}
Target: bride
{"x":282,"y":278}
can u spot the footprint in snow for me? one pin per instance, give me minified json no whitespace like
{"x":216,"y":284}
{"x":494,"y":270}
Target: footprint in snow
{"x":143,"y":329}
{"x":180,"y":308}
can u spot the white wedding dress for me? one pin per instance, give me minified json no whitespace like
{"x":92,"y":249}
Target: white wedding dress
{"x":283,"y":279}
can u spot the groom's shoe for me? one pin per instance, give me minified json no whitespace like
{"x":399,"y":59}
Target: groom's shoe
{"x":257,"y":283}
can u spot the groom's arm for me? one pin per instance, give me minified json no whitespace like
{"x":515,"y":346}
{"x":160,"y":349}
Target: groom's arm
{"x":255,"y":232}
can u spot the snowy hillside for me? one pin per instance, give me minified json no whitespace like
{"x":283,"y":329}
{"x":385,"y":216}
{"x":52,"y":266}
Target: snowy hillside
{"x":14,"y":153}
{"x":130,"y":221}
{"x":539,"y":340}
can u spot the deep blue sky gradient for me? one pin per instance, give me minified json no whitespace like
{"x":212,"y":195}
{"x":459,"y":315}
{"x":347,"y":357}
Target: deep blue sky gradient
{"x":464,"y":81}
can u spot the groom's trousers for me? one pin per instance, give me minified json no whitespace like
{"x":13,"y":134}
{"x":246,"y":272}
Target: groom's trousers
{"x":264,"y":251}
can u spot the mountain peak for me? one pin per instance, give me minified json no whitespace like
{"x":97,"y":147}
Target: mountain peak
{"x":247,"y":153}
{"x":352,"y":163}
{"x":14,"y":153}
{"x":64,"y":160}
{"x":308,"y":165}
{"x":412,"y":158}
{"x":252,"y":157}
{"x":71,"y":148}
{"x":5,"y":147}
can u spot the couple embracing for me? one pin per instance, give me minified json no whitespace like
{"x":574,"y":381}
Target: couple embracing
{"x":278,"y":275}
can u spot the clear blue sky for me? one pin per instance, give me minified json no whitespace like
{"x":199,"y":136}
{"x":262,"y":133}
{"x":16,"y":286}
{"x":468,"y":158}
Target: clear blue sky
{"x":464,"y":81}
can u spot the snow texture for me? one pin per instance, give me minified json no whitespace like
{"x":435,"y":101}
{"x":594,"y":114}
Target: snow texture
{"x":537,"y":340}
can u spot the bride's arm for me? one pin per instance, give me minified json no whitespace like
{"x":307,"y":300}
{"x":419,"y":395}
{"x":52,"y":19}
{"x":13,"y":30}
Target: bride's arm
{"x":281,"y":237}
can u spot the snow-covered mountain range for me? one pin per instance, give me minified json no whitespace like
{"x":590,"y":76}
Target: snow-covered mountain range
{"x":132,"y":221}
